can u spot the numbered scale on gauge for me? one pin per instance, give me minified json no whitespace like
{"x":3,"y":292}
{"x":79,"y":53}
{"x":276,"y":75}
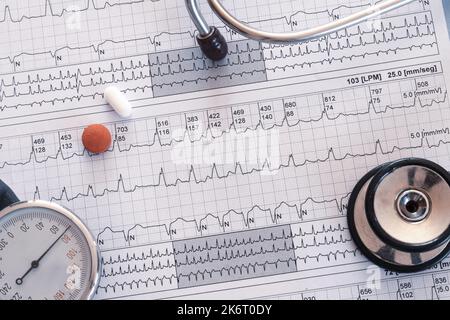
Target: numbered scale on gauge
{"x":46,"y":252}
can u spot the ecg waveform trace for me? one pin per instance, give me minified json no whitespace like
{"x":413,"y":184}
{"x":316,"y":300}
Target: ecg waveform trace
{"x":368,"y":104}
{"x":151,"y":6}
{"x":185,"y":70}
{"x":230,"y":257}
{"x":49,"y":10}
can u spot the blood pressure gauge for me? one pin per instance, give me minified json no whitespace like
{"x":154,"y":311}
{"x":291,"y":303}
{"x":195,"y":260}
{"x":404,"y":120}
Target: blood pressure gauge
{"x":46,"y":252}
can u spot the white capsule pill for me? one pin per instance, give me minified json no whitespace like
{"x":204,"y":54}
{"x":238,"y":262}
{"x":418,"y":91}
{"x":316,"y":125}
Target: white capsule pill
{"x":118,"y":101}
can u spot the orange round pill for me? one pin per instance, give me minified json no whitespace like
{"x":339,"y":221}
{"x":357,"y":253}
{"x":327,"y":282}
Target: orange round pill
{"x":96,"y":138}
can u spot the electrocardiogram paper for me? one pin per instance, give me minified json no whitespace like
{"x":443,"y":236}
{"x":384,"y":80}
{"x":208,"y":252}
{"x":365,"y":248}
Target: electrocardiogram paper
{"x":183,"y":205}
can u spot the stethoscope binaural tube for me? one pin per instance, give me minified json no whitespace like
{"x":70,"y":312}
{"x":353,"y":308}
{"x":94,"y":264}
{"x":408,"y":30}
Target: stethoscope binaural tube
{"x":214,"y":45}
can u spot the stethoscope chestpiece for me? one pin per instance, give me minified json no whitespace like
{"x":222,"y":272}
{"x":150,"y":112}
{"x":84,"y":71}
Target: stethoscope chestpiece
{"x":399,"y":215}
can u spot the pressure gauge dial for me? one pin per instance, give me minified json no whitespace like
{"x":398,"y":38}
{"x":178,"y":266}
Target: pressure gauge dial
{"x":46,"y":252}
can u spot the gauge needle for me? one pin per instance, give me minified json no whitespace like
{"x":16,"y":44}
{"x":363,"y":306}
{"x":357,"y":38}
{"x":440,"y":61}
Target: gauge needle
{"x":35,"y":263}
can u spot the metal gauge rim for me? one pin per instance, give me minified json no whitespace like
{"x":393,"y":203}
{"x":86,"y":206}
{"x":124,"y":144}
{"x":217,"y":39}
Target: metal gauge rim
{"x":371,"y":256}
{"x":94,"y":276}
{"x":379,"y":176}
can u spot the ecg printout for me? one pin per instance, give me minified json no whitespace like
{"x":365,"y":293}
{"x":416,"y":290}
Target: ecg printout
{"x":232,"y":179}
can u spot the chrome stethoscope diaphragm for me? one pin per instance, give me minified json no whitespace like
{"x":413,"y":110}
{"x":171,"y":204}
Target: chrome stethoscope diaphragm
{"x":399,"y":215}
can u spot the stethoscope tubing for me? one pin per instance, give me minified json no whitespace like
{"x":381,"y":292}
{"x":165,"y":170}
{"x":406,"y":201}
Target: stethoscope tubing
{"x":247,"y":31}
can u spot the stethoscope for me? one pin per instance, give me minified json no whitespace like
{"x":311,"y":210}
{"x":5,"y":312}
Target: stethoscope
{"x":214,"y":45}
